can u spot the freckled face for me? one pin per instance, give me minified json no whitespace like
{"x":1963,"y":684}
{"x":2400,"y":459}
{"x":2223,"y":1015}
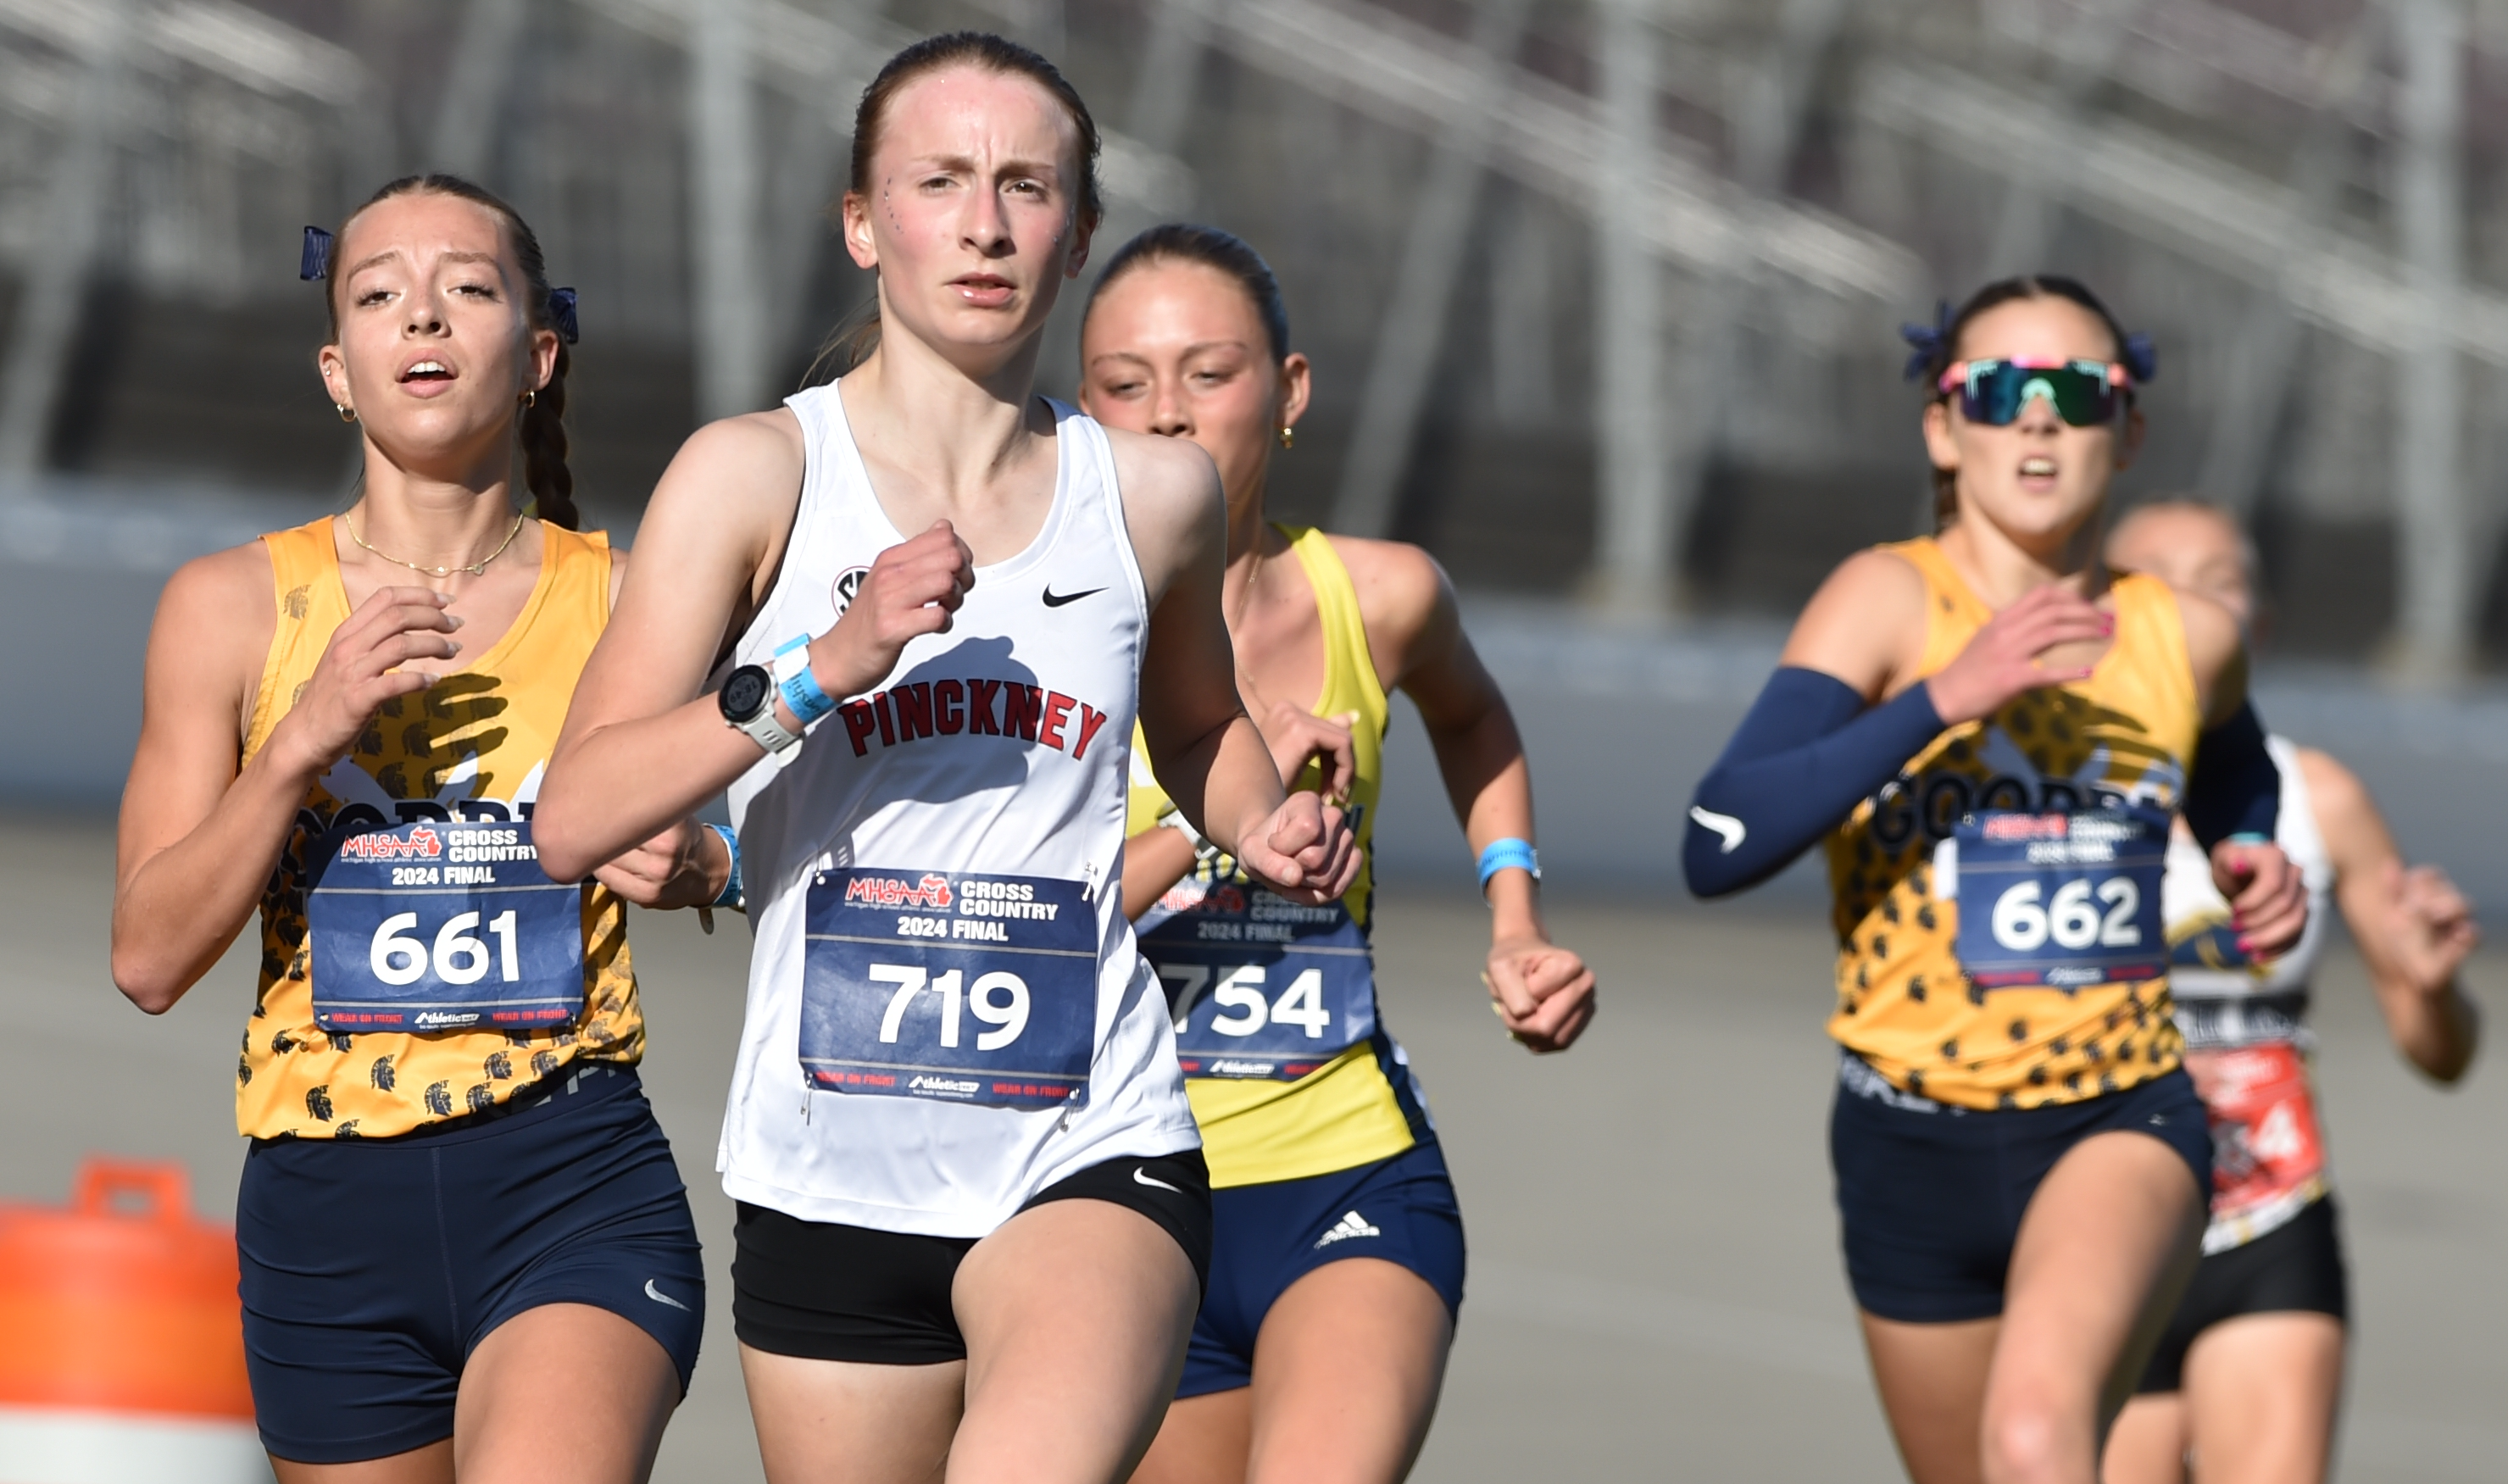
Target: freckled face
{"x":2193,"y":551}
{"x":972,"y":216}
{"x":2039,"y":479}
{"x":434,"y":348}
{"x":1177,"y":349}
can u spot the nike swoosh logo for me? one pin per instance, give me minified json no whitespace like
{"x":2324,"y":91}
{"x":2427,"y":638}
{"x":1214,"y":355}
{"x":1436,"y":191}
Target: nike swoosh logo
{"x":1054,"y":599}
{"x":1724,"y":825}
{"x":659,"y":1297}
{"x":1144,"y":1177}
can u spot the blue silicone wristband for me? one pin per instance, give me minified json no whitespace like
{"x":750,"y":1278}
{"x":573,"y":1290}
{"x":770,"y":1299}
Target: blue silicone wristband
{"x":1508,"y":854}
{"x":801,"y":689}
{"x":733,"y":893}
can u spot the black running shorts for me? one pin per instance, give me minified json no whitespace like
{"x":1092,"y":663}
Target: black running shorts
{"x":826,"y":1291}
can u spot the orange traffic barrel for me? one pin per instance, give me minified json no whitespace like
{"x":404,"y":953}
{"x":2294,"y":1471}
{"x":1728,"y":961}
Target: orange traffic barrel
{"x":121,"y":1338}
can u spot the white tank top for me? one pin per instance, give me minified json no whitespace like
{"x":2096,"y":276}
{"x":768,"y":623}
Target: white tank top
{"x":946,"y":1013}
{"x":2223,"y":1000}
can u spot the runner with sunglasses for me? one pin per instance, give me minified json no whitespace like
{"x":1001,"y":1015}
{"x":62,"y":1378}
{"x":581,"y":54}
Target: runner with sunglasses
{"x":2249,"y":1374}
{"x":1992,"y":733}
{"x":973,"y":1216}
{"x":462,"y":1234}
{"x":1337,"y":1266}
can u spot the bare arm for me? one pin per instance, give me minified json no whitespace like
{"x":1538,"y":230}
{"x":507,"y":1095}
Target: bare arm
{"x":644,"y":745}
{"x":2413,"y":928}
{"x":1208,"y":757}
{"x":1544,"y":993}
{"x":199,"y":835}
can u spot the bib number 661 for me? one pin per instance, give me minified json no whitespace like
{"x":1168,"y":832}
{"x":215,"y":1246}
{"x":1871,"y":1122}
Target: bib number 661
{"x":2022,"y":923}
{"x":456,"y":957}
{"x":999,"y":999}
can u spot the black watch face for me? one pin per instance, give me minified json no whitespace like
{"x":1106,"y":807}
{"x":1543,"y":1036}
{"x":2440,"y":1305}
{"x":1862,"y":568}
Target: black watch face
{"x":744,"y":693}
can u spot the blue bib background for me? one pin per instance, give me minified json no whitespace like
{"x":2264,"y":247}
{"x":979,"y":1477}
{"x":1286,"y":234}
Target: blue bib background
{"x":1260,"y":986}
{"x":2063,"y":901}
{"x":442,"y":926}
{"x":957,"y":986}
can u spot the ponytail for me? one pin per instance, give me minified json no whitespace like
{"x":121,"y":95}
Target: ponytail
{"x":544,"y":470}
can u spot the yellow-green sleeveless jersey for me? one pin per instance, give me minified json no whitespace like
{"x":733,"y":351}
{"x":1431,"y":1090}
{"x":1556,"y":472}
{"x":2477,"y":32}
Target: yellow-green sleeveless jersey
{"x":1289,"y":1068}
{"x":468,"y":751}
{"x":1996,"y":904}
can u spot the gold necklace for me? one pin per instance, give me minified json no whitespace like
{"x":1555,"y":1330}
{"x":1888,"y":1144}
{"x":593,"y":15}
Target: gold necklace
{"x":477,"y":569}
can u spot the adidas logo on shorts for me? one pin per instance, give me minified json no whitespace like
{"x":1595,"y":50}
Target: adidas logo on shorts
{"x":1350,"y":1225}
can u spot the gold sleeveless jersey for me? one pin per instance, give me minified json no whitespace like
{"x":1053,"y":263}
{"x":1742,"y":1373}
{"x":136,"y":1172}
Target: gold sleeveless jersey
{"x":1361,"y":1105}
{"x":471,"y":746}
{"x":2123,"y":740}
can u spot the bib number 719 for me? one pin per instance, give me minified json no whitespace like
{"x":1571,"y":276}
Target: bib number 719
{"x":1008,"y":1014}
{"x":455,"y":957}
{"x":2022,"y":924}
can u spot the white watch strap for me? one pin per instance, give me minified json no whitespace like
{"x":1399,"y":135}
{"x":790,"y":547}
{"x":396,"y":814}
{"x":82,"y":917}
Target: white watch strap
{"x":766,"y":732}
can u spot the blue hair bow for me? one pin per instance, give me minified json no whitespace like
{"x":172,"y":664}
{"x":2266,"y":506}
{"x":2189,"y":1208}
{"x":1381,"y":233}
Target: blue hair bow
{"x":2141,"y":358}
{"x":317,"y":261}
{"x":560,"y":307}
{"x":1931,"y":342}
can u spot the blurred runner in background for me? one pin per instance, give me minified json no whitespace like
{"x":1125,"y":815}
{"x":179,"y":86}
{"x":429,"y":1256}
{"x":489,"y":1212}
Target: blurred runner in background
{"x":1993,"y":733}
{"x":1338,"y":1257}
{"x":2247,"y":1377}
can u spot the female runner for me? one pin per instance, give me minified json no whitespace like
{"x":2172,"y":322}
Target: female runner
{"x":974,"y":1215}
{"x":1993,"y":733}
{"x":2249,"y":1372}
{"x":1337,"y":1258}
{"x":347,"y":725}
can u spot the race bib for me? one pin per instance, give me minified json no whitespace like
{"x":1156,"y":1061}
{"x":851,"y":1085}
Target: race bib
{"x":942,"y":985}
{"x":2060,"y":900}
{"x":442,"y":926}
{"x":1260,"y":986}
{"x":2268,"y":1157}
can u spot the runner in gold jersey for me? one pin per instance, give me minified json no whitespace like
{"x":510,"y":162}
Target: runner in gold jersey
{"x":1338,"y":1260}
{"x":1992,"y":733}
{"x":346,"y":724}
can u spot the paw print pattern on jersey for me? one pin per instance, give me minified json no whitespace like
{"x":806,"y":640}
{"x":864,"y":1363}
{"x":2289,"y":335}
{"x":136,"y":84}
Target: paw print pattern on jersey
{"x":1903,"y":1001}
{"x":472,"y":746}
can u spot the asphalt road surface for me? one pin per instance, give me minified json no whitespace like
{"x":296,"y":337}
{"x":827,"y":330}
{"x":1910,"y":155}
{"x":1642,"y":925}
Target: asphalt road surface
{"x":1654,"y":1291}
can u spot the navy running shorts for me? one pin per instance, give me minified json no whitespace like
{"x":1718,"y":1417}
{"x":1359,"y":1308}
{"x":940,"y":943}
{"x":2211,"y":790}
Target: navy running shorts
{"x":1929,"y":1196}
{"x":1267,"y":1236}
{"x":2296,"y":1268}
{"x":372,"y":1268}
{"x":824,"y":1290}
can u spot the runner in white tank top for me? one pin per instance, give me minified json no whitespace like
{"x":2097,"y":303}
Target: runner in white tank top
{"x":974,"y":1215}
{"x":2248,"y":1374}
{"x":1004,"y":740}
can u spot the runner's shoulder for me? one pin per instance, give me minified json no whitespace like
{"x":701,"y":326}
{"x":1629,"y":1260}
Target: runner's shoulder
{"x":1865,"y":623}
{"x":1403,"y":592}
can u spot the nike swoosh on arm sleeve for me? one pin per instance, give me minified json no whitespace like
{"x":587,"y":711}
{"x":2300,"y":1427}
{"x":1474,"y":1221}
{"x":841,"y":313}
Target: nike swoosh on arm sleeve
{"x":1807,"y":754}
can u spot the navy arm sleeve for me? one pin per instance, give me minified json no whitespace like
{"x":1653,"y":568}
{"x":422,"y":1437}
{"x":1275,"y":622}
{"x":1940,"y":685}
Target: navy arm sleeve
{"x":1807,"y":754}
{"x":2235,"y":788}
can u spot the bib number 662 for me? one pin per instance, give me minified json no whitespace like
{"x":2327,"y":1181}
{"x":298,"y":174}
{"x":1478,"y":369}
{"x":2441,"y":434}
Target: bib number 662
{"x":2023,"y":923}
{"x":456,"y":957}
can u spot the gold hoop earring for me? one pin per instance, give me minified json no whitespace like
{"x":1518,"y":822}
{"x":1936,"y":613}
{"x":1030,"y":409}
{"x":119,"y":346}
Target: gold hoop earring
{"x":1288,"y":437}
{"x":531,"y":399}
{"x":348,"y":413}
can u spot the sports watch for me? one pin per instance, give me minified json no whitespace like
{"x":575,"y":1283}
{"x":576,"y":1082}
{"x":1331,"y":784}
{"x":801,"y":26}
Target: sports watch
{"x":747,"y":702}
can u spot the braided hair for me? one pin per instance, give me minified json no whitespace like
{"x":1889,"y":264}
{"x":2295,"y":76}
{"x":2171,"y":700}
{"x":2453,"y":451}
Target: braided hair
{"x":542,"y":426}
{"x":1936,"y":350}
